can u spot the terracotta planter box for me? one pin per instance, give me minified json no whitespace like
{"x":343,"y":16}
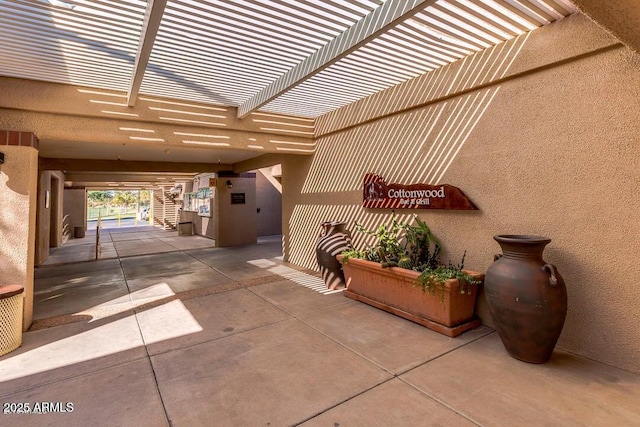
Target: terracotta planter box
{"x":393,"y":290}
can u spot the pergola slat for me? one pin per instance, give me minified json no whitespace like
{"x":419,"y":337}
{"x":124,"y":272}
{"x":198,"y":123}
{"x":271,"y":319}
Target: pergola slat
{"x":284,"y":56}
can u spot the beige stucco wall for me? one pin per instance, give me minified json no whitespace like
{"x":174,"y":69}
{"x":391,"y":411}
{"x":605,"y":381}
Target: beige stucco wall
{"x":268,"y":203}
{"x":75,"y":208}
{"x":61,"y":112}
{"x":236,"y":223}
{"x":229,"y":224}
{"x":18,"y":185}
{"x":541,"y":133}
{"x":619,"y":17}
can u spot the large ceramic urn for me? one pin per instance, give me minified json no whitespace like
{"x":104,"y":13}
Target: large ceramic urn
{"x":333,"y":240}
{"x":527,"y":298}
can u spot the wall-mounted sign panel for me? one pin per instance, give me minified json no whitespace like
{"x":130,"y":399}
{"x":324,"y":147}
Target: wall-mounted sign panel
{"x":377,"y":194}
{"x":238,"y":198}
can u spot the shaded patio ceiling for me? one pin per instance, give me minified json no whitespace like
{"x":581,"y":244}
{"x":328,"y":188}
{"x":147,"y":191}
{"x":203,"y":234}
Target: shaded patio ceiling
{"x":302,"y":58}
{"x":298,"y":58}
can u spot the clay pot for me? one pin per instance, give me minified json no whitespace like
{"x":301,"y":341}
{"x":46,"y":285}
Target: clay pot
{"x":527,"y":298}
{"x":333,"y":240}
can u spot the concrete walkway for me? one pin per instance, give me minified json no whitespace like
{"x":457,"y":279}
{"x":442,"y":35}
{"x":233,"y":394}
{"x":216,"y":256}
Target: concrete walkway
{"x":204,"y":336}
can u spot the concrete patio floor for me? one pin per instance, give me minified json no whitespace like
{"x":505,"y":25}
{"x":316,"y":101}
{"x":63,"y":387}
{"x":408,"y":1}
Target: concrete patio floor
{"x":169,"y":330}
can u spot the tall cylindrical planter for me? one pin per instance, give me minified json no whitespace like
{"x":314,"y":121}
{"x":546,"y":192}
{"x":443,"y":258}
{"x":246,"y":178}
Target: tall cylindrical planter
{"x":333,"y":240}
{"x":527,"y":298}
{"x":11,"y":307}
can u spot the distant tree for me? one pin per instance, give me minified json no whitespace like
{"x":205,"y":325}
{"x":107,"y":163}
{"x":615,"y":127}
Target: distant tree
{"x":97,"y":198}
{"x":125,"y":198}
{"x":145,"y":197}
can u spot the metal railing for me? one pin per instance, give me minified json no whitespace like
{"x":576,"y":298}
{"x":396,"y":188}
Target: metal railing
{"x":98,"y":225}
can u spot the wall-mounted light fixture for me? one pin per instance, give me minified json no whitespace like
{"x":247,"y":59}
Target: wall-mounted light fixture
{"x":229,"y":184}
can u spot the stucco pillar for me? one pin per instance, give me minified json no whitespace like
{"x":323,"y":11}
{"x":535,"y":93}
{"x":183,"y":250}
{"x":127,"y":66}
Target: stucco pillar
{"x":235,"y":214}
{"x":18,"y":198}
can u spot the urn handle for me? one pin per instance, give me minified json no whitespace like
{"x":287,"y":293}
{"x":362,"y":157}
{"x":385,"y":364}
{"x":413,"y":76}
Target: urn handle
{"x":553,"y":273}
{"x":497,"y":257}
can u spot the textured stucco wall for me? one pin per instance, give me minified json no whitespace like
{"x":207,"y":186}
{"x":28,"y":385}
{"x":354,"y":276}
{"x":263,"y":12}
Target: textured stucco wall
{"x":269,"y":201}
{"x":61,"y":112}
{"x":547,"y":147}
{"x":75,"y":206}
{"x":18,"y":186}
{"x":619,"y":17}
{"x":237,"y":223}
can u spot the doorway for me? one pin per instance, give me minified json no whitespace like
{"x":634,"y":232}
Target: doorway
{"x":52,"y":200}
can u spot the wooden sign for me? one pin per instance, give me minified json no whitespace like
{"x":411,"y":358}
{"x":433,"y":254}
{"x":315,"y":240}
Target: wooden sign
{"x":377,"y":194}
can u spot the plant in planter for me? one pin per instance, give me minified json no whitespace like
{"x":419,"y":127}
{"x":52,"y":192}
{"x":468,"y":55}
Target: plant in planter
{"x":402,"y":273}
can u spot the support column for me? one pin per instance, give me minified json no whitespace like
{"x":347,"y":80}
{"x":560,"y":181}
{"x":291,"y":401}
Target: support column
{"x":18,"y":198}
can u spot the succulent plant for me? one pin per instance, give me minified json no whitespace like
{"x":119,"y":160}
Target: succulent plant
{"x":405,"y":262}
{"x":413,"y":247}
